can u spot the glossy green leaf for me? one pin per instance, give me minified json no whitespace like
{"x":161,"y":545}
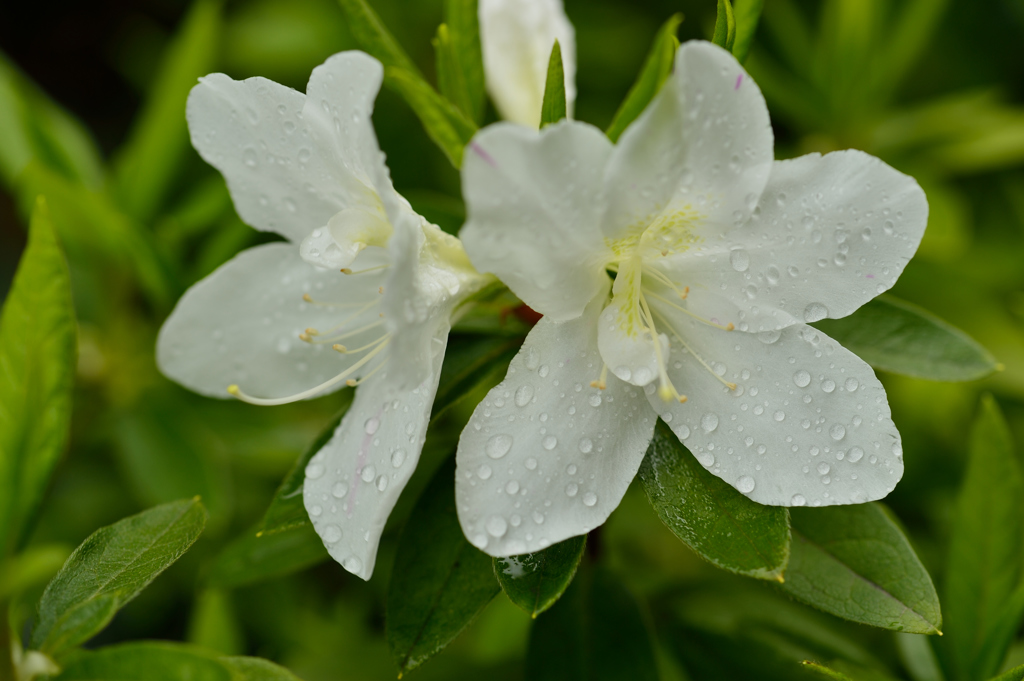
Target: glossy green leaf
{"x":986,"y":555}
{"x":256,"y":558}
{"x":595,"y":632}
{"x":469,"y":362}
{"x":747,"y":14}
{"x":709,"y":515}
{"x":117,"y":561}
{"x":256,"y":669}
{"x":656,"y":68}
{"x":450,"y":78}
{"x":160,"y":132}
{"x":149,"y":661}
{"x":374,"y":37}
{"x":553,"y":106}
{"x":1015,"y":674}
{"x":37,"y":373}
{"x":286,"y":508}
{"x":463,"y":20}
{"x":725,"y":26}
{"x":894,"y":335}
{"x":443,"y":123}
{"x":79,"y":624}
{"x":439,"y":582}
{"x":855,"y":562}
{"x":535,"y":581}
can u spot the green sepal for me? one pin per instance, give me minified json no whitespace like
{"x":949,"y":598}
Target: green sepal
{"x":553,"y":108}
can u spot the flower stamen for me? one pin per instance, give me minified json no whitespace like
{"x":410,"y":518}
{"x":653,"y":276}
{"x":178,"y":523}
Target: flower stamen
{"x":312,"y":301}
{"x":724,"y":327}
{"x":271,"y":402}
{"x":602,"y":382}
{"x":679,"y":337}
{"x":666,"y":391}
{"x":347,"y":270}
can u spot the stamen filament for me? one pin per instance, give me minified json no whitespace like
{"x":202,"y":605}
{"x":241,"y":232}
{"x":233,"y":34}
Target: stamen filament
{"x":334,"y":339}
{"x":353,"y":383}
{"x":679,"y":337}
{"x":346,"y":270}
{"x":667,"y":391}
{"x":312,"y":301}
{"x":351,"y":351}
{"x":337,"y":327}
{"x":663,"y":278}
{"x":602,"y":382}
{"x":728,"y":327}
{"x":265,"y":402}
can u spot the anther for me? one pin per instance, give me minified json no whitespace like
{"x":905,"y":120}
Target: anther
{"x":305,"y":337}
{"x":686,"y":292}
{"x":380,"y":290}
{"x":308,"y":298}
{"x":233,"y":389}
{"x":351,"y":382}
{"x":339,"y":347}
{"x":312,"y":332}
{"x":730,"y":327}
{"x":346,"y":270}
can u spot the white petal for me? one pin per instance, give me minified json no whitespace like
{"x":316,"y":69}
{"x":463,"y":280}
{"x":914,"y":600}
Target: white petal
{"x":808,"y":422}
{"x":831,"y":233}
{"x":545,"y":456}
{"x":431,"y":274}
{"x":517,"y":37}
{"x":355,"y":480}
{"x":533,"y":204}
{"x":241,"y":324}
{"x":702,"y":148}
{"x":270,"y":147}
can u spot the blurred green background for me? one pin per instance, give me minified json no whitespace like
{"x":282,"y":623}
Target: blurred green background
{"x":92,"y":115}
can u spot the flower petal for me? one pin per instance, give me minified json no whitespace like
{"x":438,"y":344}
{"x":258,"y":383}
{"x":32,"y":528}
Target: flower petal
{"x":353,"y":483}
{"x":701,"y":150}
{"x":831,"y":232}
{"x":533,"y":208}
{"x":808,"y":422}
{"x":546,"y":457}
{"x":263,"y":138}
{"x":517,"y":37}
{"x":241,"y":324}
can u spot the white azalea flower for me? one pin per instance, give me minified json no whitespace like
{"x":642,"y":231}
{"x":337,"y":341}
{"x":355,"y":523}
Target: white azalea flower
{"x":720,"y":255}
{"x":280,"y":322}
{"x":516,"y":37}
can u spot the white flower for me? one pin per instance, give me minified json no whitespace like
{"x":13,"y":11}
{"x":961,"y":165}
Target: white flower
{"x":516,"y":37}
{"x":720,"y":256}
{"x":278,"y":326}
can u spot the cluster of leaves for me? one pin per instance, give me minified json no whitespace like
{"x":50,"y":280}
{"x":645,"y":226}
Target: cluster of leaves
{"x":135,"y":226}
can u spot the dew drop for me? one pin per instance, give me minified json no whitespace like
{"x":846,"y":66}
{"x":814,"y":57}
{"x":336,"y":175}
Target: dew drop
{"x":802,"y":379}
{"x":484,"y":472}
{"x":798,"y":500}
{"x":398,"y":458}
{"x":589,"y":499}
{"x":571,"y":489}
{"x":340,"y":490}
{"x":745,"y":484}
{"x":595,"y":400}
{"x":382,"y":482}
{"x":828,"y":385}
{"x":496,"y":526}
{"x":531,"y":464}
{"x":855,"y":455}
{"x":709,"y":422}
{"x":524,"y":395}
{"x":372,"y":424}
{"x":815,"y":312}
{"x":837,"y":431}
{"x":352,"y":564}
{"x":851,"y":384}
{"x":498,"y":446}
{"x":314,"y":471}
{"x":331,"y":534}
{"x":586,"y":445}
{"x":550,"y":442}
{"x":824,"y":468}
{"x":780,"y":415}
{"x":368,"y":473}
{"x":739,"y":259}
{"x":512,"y":487}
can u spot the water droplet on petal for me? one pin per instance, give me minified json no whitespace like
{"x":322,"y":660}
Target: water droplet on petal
{"x":586,"y":445}
{"x":851,"y":384}
{"x":368,"y":473}
{"x":855,"y":455}
{"x":802,"y":379}
{"x":745,"y":484}
{"x":739,"y":259}
{"x":498,"y":446}
{"x":331,"y":534}
{"x":571,"y":489}
{"x":372,"y":424}
{"x":382,"y":482}
{"x":484,"y":472}
{"x":340,"y":490}
{"x":496,"y":526}
{"x":398,"y":458}
{"x":314,"y":471}
{"x":837,"y":431}
{"x":709,"y":422}
{"x":550,"y":442}
{"x":589,"y":499}
{"x":524,"y":395}
{"x":352,"y":564}
{"x":815,"y":312}
{"x":798,"y":500}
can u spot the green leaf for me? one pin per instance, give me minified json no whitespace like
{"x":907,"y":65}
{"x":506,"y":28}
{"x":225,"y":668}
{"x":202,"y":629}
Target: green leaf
{"x":160,"y":661}
{"x":709,"y":515}
{"x":725,"y":26}
{"x":117,"y":561}
{"x":37,"y":372}
{"x":151,"y":158}
{"x":595,"y":632}
{"x":656,"y":68}
{"x":448,"y":128}
{"x":893,"y":335}
{"x":80,"y":623}
{"x":469,"y":362}
{"x":747,"y":13}
{"x":256,"y":669}
{"x":439,"y":582}
{"x":825,"y":672}
{"x":854,"y":562}
{"x":286,"y":508}
{"x":256,"y":558}
{"x":1015,"y":674}
{"x":148,"y":661}
{"x":553,"y":106}
{"x":373,"y":36}
{"x":986,"y":556}
{"x":535,"y":581}
{"x":450,"y":78}
{"x":463,"y":20}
